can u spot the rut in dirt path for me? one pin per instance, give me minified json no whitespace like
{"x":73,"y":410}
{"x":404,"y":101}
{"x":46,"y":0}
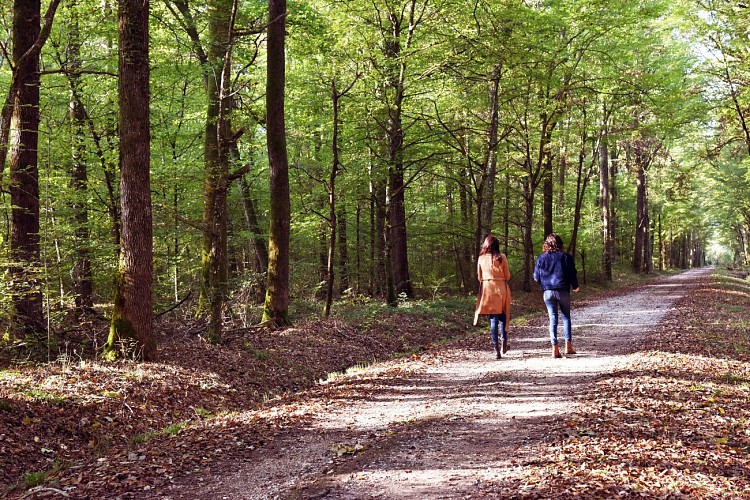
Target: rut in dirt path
{"x":449,"y":424}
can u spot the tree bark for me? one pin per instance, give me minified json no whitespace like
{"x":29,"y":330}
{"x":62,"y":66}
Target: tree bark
{"x":344,"y":278}
{"x":22,"y":116}
{"x":358,"y":246}
{"x":260,"y":250}
{"x":583,"y":178}
{"x":333,"y":212}
{"x":277,"y":294}
{"x":131,"y":331}
{"x":217,"y":145}
{"x":468,"y":249}
{"x":547,"y":196}
{"x":397,"y":232}
{"x":490,"y":162}
{"x":641,"y":223}
{"x":528,"y":242}
{"x":604,"y":199}
{"x":613,"y":252}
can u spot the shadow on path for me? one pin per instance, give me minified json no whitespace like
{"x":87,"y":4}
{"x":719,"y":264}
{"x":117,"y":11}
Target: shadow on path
{"x":442,"y":425}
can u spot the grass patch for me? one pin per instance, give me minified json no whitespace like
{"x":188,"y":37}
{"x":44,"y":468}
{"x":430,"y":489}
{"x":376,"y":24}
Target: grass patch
{"x":731,"y":308}
{"x":32,"y":479}
{"x":43,"y":396}
{"x":173,"y":429}
{"x":259,"y":354}
{"x":352,"y":370}
{"x":143,"y":438}
{"x":170,"y":430}
{"x":9,"y":374}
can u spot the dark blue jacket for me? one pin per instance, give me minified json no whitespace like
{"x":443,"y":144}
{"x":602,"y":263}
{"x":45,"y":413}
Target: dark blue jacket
{"x":556,"y":271}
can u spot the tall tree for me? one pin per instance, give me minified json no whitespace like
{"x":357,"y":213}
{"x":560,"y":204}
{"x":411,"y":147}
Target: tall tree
{"x":336,"y":95}
{"x":219,"y":147}
{"x":21,"y":120}
{"x":82,"y":276}
{"x":276,"y":309}
{"x":645,"y":150}
{"x":131,"y":332}
{"x":606,"y":213}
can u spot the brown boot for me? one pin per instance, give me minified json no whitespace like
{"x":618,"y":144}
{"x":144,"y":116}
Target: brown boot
{"x":505,"y":346}
{"x":556,"y":352}
{"x":569,"y":348}
{"x":497,"y":350}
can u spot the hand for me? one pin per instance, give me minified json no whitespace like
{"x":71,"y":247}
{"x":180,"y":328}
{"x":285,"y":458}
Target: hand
{"x":577,"y":289}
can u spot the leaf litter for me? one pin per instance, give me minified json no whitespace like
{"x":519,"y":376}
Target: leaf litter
{"x":672,"y":422}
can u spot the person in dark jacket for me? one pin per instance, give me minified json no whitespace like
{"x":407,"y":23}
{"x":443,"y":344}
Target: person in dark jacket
{"x":556,"y":271}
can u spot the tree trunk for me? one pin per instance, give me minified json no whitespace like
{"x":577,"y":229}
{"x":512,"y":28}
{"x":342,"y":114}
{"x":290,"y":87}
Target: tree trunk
{"x":506,"y":214}
{"x":489,"y":169}
{"x":324,"y":229}
{"x":561,"y":176}
{"x":396,"y":35}
{"x":545,"y":162}
{"x":260,"y":249}
{"x":468,"y":248}
{"x":358,"y":246}
{"x":607,"y":242}
{"x":277,"y":294}
{"x":336,"y":95}
{"x":131,"y":331}
{"x":583,"y":178}
{"x":641,"y":222}
{"x":109,"y":169}
{"x":344,"y":278}
{"x":397,"y":232}
{"x":81,"y":273}
{"x":661,"y":241}
{"x":548,"y":196}
{"x":613,"y":252}
{"x":217,"y":145}
{"x":648,"y":238}
{"x":28,"y":316}
{"x":528,"y":241}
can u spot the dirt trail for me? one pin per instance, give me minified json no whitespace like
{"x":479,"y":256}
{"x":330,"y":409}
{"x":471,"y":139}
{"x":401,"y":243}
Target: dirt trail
{"x":447,"y":424}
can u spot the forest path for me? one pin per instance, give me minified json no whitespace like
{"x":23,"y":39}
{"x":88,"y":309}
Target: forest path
{"x":445,"y":424}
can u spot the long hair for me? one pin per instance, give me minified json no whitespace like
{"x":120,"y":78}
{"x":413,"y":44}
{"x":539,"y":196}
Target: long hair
{"x":552,"y":243}
{"x":491,"y":246}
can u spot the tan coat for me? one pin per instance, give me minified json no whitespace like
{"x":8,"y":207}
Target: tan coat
{"x":494,"y":292}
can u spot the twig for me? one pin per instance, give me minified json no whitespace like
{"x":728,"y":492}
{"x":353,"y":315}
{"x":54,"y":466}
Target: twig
{"x":175,"y":306}
{"x":38,"y":489}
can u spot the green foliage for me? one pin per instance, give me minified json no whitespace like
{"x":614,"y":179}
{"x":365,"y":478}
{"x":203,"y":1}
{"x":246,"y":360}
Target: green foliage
{"x":632,"y":68}
{"x":173,"y":429}
{"x":43,"y":396}
{"x":143,"y":438}
{"x":259,"y":354}
{"x":170,"y":430}
{"x":32,"y":479}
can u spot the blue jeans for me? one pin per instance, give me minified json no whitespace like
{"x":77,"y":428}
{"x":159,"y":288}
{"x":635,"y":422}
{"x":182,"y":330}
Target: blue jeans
{"x":495,"y":321}
{"x":553,"y":299}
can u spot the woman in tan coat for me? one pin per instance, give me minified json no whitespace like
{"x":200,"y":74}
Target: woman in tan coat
{"x":494,"y":293}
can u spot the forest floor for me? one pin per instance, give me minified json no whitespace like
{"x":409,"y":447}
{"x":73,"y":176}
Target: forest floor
{"x":655,"y":404}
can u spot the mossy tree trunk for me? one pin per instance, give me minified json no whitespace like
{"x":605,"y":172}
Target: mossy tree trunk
{"x":131,"y":330}
{"x":219,"y":142}
{"x":276,"y":308}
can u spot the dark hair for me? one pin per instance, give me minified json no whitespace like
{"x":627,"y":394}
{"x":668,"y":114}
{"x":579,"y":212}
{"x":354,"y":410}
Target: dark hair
{"x":491,"y":246}
{"x":552,"y":243}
